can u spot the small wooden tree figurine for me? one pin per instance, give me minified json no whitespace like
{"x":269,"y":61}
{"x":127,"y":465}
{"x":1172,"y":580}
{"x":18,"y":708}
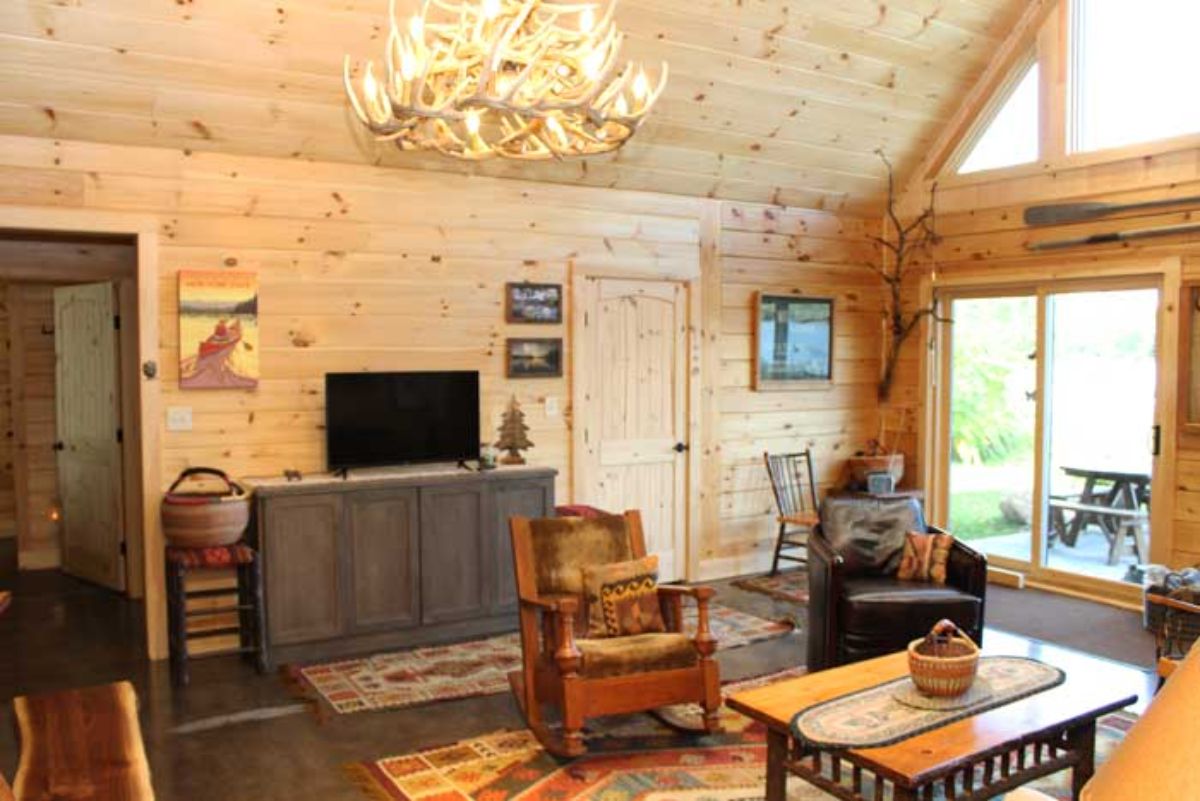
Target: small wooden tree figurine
{"x":513,"y":433}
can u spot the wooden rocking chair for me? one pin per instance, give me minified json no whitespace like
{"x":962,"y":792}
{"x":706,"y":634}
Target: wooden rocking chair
{"x":583,"y":677}
{"x":796,"y":503}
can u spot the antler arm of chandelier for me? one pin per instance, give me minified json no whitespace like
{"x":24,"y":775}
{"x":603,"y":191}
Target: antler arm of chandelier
{"x":481,"y":78}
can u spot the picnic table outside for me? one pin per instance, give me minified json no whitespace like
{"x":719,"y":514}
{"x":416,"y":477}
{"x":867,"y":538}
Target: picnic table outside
{"x":1111,"y":499}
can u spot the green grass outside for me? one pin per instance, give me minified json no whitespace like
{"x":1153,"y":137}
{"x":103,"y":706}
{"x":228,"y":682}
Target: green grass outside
{"x":976,"y":515}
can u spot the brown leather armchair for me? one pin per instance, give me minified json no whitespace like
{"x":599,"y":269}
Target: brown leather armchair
{"x":857,"y":608}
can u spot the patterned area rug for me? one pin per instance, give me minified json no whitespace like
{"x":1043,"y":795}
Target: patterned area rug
{"x":789,"y":585}
{"x":479,"y":667}
{"x":630,"y":759}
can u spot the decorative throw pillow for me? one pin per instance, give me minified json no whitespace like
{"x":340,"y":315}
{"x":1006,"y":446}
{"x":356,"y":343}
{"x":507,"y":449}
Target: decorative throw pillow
{"x":622,"y":598}
{"x":925,"y":557}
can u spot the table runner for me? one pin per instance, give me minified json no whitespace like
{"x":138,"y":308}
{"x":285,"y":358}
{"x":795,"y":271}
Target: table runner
{"x":873,"y":717}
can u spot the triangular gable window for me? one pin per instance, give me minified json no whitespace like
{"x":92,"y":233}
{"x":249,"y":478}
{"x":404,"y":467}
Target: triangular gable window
{"x":1011,"y":135}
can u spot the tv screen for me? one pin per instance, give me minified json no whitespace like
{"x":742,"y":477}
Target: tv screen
{"x":374,"y":419}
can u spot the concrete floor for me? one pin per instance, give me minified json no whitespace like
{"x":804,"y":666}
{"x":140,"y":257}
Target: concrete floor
{"x":236,"y":736}
{"x":1089,"y":556}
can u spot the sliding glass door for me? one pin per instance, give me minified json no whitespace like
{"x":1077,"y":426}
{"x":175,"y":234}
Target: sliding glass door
{"x":993,"y":380}
{"x":1048,"y":410}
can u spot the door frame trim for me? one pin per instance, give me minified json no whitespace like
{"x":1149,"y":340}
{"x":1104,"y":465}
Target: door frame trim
{"x":693,"y":286}
{"x":143,"y":229}
{"x":1038,"y":279}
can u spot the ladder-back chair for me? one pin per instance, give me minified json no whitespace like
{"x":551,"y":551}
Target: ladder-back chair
{"x":795,"y":501}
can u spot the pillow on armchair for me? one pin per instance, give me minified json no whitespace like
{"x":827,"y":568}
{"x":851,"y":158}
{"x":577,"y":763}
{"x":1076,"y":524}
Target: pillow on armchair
{"x":869,"y":533}
{"x":622,"y":598}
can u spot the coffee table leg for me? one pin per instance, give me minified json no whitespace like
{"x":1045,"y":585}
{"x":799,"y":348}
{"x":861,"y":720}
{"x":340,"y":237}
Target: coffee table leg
{"x":777,"y":749}
{"x":1082,"y":740}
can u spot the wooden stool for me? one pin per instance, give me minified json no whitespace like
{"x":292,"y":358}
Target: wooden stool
{"x":84,"y":744}
{"x":251,"y":628}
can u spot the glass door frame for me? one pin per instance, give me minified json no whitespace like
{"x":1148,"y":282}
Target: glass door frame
{"x":1163,"y":274}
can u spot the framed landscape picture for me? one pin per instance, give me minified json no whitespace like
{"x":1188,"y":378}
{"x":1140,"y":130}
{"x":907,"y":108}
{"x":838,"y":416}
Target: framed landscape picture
{"x":533,"y":303}
{"x":793,"y":341}
{"x":534,"y":358}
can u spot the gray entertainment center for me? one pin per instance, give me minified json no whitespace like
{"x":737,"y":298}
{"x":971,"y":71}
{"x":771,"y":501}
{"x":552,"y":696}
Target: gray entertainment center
{"x":390,"y":558}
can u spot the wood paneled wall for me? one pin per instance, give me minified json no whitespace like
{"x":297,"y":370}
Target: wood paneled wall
{"x":360,"y":268}
{"x":790,"y":251}
{"x":8,"y":507}
{"x":30,"y":390}
{"x":370,"y":268}
{"x":980,"y":218}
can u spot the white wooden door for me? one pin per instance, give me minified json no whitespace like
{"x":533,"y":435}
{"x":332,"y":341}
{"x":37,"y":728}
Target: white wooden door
{"x":631,"y":378}
{"x":88,"y":418}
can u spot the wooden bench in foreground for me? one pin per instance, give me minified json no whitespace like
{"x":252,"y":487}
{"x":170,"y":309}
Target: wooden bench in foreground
{"x":1123,"y":522}
{"x":82,"y":745}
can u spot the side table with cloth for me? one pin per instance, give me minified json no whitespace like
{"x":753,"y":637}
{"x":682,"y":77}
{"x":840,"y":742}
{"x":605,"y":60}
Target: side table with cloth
{"x":858,"y":608}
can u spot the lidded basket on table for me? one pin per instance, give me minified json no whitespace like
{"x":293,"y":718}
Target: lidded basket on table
{"x":205,"y":518}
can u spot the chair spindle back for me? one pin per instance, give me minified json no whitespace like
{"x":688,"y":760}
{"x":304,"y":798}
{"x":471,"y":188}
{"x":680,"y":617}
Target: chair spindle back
{"x":792,"y":482}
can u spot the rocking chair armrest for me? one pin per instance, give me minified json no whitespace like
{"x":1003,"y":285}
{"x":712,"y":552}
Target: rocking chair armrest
{"x":559,"y":604}
{"x":672,"y":595}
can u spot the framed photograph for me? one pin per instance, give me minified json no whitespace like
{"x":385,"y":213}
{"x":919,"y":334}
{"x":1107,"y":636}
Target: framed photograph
{"x":533,"y":303}
{"x":793,"y":341}
{"x":534,"y":358}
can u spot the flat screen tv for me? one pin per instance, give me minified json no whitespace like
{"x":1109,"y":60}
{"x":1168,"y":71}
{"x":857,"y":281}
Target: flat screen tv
{"x":376,"y":419}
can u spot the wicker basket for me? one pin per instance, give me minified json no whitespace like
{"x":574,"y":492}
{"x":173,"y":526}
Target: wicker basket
{"x":945,"y":668}
{"x":205,"y":519}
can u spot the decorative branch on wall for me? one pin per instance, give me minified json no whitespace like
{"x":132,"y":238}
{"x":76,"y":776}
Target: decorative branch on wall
{"x":896,"y":264}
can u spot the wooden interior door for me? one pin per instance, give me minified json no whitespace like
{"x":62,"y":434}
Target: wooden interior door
{"x":88,"y":418}
{"x":631,"y":377}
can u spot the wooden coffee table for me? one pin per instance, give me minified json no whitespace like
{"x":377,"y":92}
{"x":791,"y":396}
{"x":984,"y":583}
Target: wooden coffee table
{"x":1010,"y":745}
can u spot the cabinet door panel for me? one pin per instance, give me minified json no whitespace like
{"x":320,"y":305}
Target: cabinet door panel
{"x":515,"y":498}
{"x":384,"y":557}
{"x":301,"y":563}
{"x":452,"y":553}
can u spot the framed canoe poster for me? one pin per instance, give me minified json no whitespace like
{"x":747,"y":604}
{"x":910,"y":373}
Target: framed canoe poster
{"x":218,"y":330}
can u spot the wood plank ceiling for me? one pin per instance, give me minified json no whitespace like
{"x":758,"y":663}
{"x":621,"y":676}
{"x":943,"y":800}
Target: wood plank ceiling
{"x":778,"y":101}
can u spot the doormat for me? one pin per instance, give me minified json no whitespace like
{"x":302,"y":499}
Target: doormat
{"x":789,"y":585}
{"x":478,"y":667}
{"x":633,"y":758}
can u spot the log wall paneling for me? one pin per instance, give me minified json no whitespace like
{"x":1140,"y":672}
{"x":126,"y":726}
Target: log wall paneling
{"x":31,"y":389}
{"x":788,"y":251}
{"x":767,"y":102}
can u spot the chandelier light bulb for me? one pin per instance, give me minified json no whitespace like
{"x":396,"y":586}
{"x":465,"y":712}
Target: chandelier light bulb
{"x":527,"y":79}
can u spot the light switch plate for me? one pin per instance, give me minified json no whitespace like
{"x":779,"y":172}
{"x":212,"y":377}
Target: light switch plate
{"x":179,"y":418}
{"x":551,"y":404}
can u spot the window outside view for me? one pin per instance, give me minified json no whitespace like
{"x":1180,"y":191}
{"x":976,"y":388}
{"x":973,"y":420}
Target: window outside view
{"x":1119,"y":50}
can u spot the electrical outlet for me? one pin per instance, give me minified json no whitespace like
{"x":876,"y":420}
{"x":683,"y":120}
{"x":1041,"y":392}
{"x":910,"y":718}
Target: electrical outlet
{"x":551,"y":406}
{"x":179,"y":418}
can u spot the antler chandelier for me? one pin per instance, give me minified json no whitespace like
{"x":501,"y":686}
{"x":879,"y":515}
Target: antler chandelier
{"x":521,"y":79}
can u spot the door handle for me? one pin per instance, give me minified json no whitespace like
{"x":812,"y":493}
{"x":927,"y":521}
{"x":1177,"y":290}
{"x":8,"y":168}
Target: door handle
{"x":680,"y":447}
{"x":59,"y":446}
{"x":1156,"y":441}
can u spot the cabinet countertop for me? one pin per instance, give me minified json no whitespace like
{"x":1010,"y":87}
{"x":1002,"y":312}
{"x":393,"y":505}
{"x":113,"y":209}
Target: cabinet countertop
{"x":366,"y":478}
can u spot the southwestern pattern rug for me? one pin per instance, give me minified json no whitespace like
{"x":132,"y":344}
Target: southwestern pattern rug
{"x":788,"y":585}
{"x":630,"y":759}
{"x":479,"y":667}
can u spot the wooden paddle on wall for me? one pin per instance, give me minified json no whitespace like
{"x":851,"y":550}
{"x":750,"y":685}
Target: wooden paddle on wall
{"x":1116,"y":236}
{"x":1061,"y":213}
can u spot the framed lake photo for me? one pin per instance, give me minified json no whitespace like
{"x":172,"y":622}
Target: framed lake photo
{"x":793,"y":342}
{"x":534,"y":358}
{"x":533,"y":303}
